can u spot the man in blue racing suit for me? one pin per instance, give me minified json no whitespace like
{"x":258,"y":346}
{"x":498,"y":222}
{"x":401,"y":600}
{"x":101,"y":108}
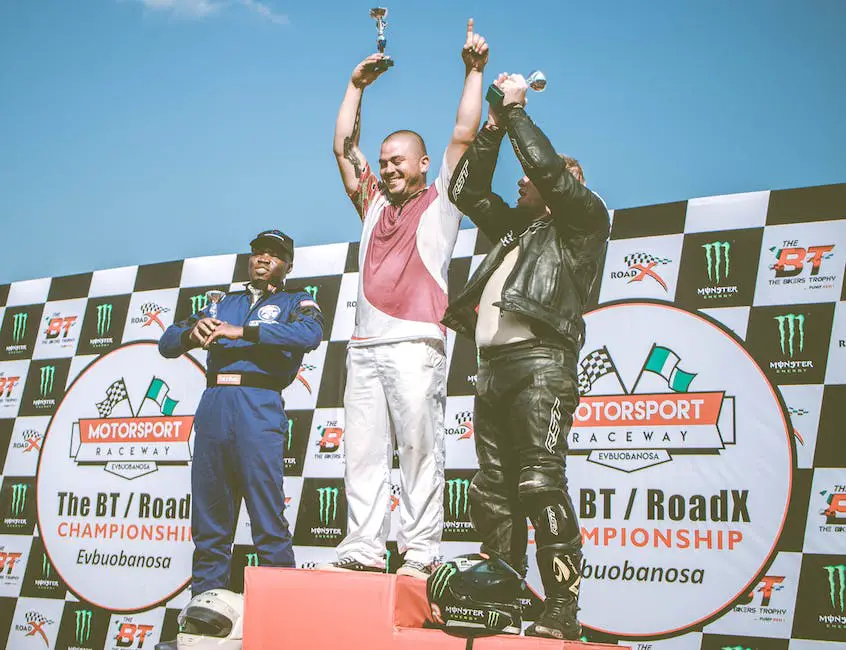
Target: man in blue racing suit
{"x":256,"y":345}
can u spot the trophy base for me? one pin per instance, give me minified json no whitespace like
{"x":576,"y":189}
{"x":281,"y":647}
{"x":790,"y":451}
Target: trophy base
{"x":380,"y":65}
{"x":494,"y":96}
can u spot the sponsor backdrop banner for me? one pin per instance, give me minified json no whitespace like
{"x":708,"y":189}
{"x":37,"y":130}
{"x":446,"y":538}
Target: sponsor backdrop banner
{"x":708,"y":451}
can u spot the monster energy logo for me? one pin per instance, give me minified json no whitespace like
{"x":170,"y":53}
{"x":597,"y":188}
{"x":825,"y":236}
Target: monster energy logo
{"x":83,"y":625}
{"x":46,"y":568}
{"x":328,"y":504}
{"x":457,"y":489}
{"x":48,"y":374}
{"x":290,"y":432}
{"x":19,"y":326}
{"x":493,"y":620}
{"x":788,"y":325}
{"x":311,"y":290}
{"x":440,"y":579}
{"x":252,"y":559}
{"x":717,"y":260}
{"x":18,"y":498}
{"x":837,"y":586}
{"x":104,"y":319}
{"x":198,"y":302}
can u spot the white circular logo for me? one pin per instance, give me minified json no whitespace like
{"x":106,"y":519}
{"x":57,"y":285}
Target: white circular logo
{"x":114,"y":481}
{"x":680,"y":468}
{"x":269,"y":313}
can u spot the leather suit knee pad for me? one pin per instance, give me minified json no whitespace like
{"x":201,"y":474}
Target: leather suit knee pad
{"x":551,"y":510}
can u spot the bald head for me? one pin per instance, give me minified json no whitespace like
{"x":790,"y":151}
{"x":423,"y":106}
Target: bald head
{"x":403,"y":163}
{"x":411,"y":139}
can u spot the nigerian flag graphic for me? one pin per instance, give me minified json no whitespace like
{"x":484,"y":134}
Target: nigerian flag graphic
{"x":157,"y":392}
{"x":665,"y":362}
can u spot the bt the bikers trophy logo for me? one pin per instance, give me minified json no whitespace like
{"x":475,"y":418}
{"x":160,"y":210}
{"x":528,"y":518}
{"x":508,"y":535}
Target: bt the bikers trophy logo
{"x":632,"y":431}
{"x":331,"y":436}
{"x":717,"y":259}
{"x":768,"y":610}
{"x":132,"y":635}
{"x":133,"y":446}
{"x":663,"y":436}
{"x":797,"y":265}
{"x":58,"y":330}
{"x":642,"y":266}
{"x":835,"y":509}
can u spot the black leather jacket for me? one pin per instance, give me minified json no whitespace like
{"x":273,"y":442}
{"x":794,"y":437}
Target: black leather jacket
{"x":559,"y":255}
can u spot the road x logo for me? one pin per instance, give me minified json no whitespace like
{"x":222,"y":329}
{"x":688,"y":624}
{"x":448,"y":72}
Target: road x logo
{"x":36,"y":625}
{"x":131,"y":445}
{"x":463,"y":428}
{"x":642,"y":267}
{"x":150,"y":315}
{"x":630,"y":431}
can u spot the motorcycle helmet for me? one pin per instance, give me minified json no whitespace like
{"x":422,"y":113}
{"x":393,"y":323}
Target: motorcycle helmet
{"x":475,"y":595}
{"x":212,"y":620}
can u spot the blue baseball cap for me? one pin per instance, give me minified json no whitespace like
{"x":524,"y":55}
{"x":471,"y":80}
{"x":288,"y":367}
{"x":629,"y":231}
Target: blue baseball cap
{"x":276,"y":240}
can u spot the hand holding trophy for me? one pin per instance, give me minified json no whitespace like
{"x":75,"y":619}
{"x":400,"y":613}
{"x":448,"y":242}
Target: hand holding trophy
{"x":495,"y":95}
{"x":379,"y":14}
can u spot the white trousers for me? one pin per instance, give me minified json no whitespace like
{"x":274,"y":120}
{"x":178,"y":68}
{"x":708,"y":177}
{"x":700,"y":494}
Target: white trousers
{"x":394,"y":389}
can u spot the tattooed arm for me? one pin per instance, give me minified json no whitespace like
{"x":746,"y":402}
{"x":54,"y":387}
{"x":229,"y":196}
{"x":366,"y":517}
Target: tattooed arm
{"x":351,"y":162}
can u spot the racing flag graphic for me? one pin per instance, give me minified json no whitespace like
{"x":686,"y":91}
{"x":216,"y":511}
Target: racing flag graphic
{"x":115,"y":394}
{"x":151,"y":311}
{"x":157,"y":392}
{"x":36,"y":623}
{"x":595,"y":365}
{"x":663,"y":361}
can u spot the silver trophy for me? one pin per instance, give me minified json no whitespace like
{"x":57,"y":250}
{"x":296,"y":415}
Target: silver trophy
{"x":536,"y":81}
{"x":379,"y":14}
{"x":214,"y":297}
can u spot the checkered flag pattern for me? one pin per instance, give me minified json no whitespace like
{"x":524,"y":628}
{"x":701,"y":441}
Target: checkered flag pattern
{"x":595,"y":365}
{"x":635,"y":259}
{"x":115,"y":394}
{"x":767,"y":267}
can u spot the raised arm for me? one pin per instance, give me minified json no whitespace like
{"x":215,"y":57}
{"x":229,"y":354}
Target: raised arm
{"x":351,"y":162}
{"x":571,"y":203}
{"x":475,"y":57}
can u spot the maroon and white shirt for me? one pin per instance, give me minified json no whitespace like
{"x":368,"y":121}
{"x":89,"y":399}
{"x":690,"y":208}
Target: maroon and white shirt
{"x":403,"y":260}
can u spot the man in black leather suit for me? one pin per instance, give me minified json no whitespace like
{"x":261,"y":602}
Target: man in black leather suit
{"x":523,"y":307}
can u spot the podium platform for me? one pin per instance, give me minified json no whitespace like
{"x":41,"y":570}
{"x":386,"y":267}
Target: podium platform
{"x":299,"y":609}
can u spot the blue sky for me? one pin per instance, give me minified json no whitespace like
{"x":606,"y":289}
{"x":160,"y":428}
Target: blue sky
{"x":136,"y":131}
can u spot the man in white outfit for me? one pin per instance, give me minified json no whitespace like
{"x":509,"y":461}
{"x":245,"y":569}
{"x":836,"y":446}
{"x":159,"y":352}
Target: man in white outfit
{"x":396,"y":366}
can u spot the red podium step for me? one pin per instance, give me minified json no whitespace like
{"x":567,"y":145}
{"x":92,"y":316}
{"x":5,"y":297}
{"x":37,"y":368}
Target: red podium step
{"x":298,"y":609}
